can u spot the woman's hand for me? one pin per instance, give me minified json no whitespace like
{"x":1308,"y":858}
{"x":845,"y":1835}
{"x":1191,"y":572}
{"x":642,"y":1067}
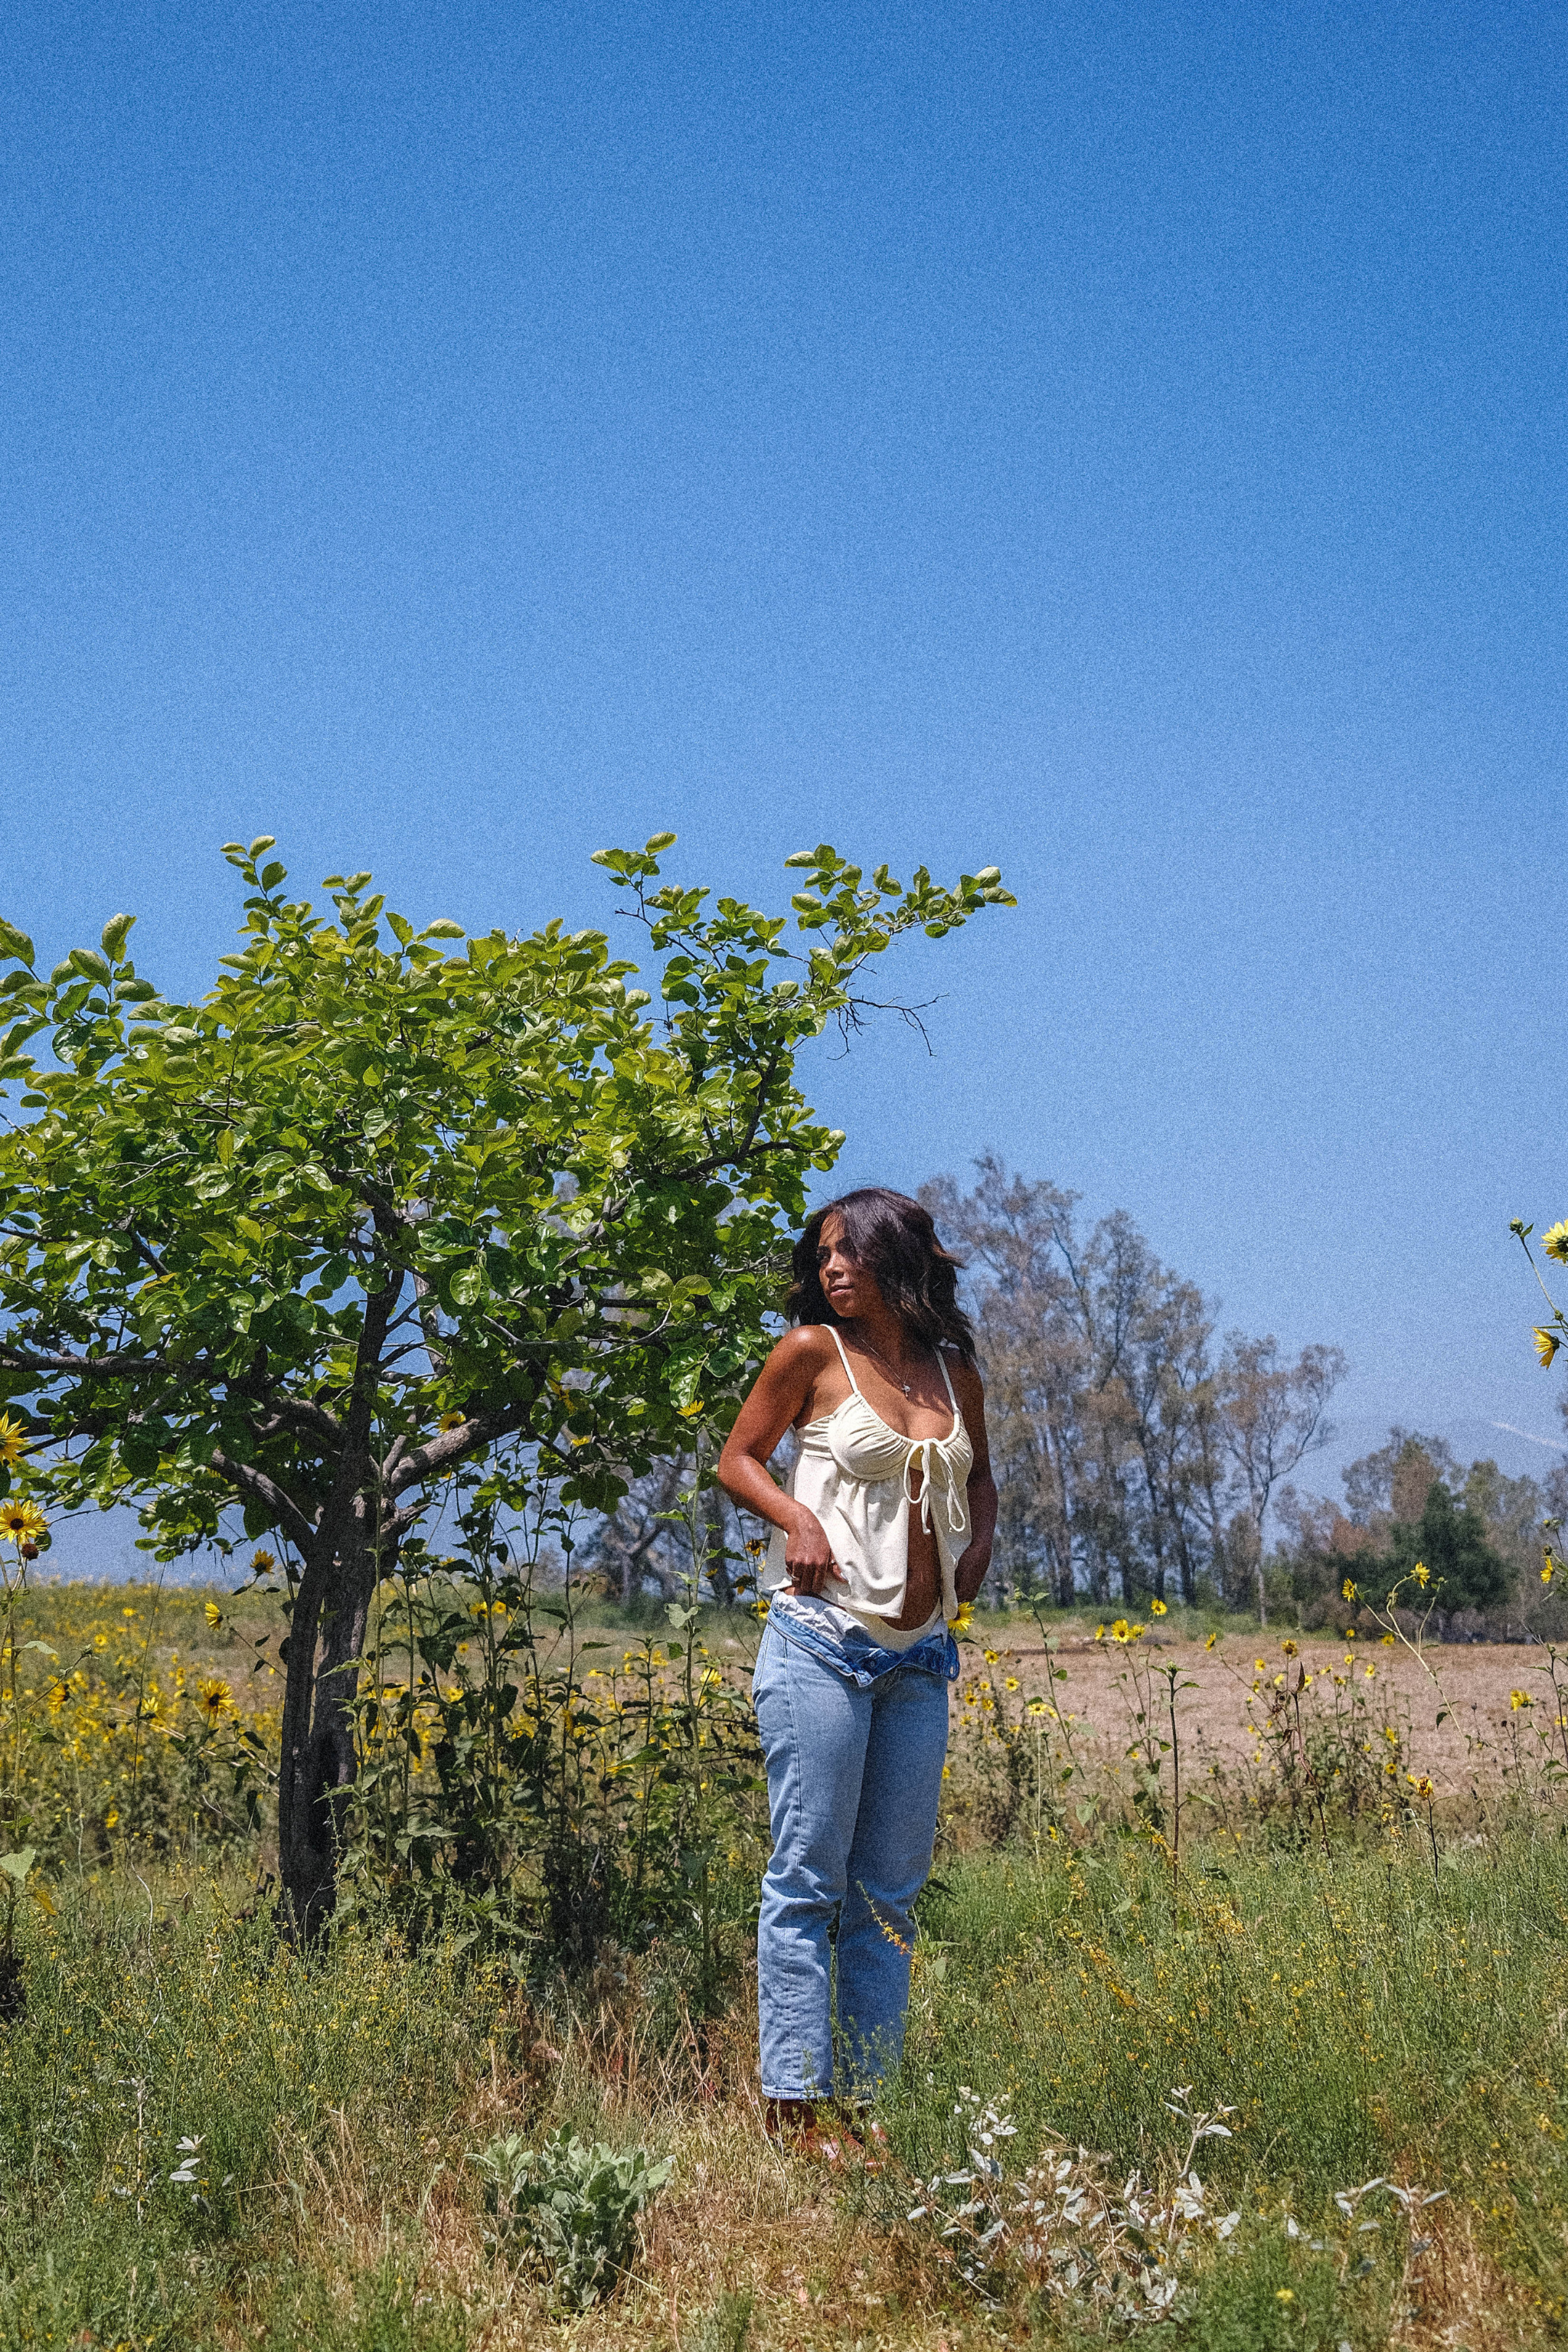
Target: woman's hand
{"x":969,"y":1570}
{"x":808,"y":1555}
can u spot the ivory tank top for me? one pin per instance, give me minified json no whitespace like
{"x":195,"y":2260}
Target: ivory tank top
{"x":853,"y":1470}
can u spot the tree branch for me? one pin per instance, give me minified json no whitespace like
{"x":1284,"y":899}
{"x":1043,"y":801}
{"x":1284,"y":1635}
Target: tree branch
{"x":200,"y":1373}
{"x":297,"y":1523}
{"x":449,"y":1445}
{"x":113,"y":1368}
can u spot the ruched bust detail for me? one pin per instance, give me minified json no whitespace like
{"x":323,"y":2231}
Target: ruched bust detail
{"x":861,"y":1477}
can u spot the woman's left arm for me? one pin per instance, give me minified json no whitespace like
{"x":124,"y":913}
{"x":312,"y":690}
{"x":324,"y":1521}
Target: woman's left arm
{"x":969,"y":1574}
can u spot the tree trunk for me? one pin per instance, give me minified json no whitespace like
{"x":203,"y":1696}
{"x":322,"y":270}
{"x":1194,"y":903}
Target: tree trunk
{"x":318,"y":1761}
{"x":1189,"y":1579}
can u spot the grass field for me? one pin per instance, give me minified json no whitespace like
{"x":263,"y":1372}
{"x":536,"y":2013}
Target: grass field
{"x":1378,"y":1992}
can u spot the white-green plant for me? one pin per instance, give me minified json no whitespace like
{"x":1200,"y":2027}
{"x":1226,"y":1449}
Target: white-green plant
{"x":1063,"y":2227}
{"x":569,"y":2209}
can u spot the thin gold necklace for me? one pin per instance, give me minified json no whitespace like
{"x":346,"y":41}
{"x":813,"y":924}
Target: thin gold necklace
{"x":871,"y":1350}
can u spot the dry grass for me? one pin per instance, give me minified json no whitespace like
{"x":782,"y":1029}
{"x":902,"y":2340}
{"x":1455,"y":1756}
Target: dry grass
{"x":1454,"y":2298}
{"x":809,"y":2247}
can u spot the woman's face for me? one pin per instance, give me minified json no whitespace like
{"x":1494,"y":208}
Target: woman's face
{"x":847,"y":1287}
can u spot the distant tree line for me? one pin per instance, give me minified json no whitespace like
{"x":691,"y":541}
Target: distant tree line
{"x":1137,"y":1453}
{"x":1142,"y":1455}
{"x":1480,"y":1536}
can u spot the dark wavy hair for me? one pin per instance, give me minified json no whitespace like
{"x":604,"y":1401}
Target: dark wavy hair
{"x":894,"y":1239}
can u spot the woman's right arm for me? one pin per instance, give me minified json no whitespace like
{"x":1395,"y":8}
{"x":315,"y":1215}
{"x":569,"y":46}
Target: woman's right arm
{"x":782,"y":1389}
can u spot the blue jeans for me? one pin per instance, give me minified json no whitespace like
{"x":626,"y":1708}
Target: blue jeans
{"x":854,"y":1738}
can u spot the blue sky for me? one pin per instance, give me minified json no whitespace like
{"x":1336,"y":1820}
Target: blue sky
{"x":1121,"y":442}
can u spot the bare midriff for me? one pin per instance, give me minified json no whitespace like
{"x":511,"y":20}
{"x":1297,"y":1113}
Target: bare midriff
{"x":923,"y":1589}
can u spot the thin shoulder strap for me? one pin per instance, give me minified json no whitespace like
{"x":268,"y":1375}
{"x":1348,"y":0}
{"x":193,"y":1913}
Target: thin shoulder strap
{"x":847,"y":1366}
{"x":957,"y":1416}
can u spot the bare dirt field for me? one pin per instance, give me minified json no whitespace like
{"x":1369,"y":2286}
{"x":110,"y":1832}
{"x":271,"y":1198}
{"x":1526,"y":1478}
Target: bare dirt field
{"x":1455,"y":1713}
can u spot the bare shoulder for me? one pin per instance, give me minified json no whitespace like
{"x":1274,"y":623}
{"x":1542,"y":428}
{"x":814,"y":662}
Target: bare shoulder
{"x":801,"y":1355}
{"x":805,"y":1348}
{"x":968,"y":1386}
{"x":790,"y":1378}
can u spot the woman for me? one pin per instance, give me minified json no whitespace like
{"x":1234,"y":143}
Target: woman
{"x":882,"y":1535}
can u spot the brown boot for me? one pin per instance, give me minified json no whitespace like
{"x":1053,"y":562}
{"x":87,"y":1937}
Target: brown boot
{"x":868,"y":2141}
{"x":793,"y":2125}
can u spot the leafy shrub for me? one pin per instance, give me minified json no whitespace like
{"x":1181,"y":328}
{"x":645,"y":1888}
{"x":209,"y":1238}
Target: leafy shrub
{"x":569,"y":2209}
{"x":505,"y":1785}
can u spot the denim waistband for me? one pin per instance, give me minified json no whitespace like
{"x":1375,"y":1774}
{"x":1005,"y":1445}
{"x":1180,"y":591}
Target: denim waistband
{"x":857,"y":1657}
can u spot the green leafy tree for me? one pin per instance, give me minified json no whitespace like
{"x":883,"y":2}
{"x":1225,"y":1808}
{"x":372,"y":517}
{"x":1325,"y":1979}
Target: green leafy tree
{"x":390,"y":1208}
{"x":1449,"y":1539}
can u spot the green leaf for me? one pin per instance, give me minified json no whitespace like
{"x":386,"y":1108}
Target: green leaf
{"x":272,"y":874}
{"x":90,"y":965}
{"x":16,"y":945}
{"x":17,"y":1865}
{"x":116,"y":931}
{"x":263,"y":841}
{"x":659,"y":841}
{"x":443,"y":930}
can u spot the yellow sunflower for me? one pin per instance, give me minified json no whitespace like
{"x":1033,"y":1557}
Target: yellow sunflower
{"x":215,"y":1701}
{"x":12,"y":1441}
{"x":22,"y":1522}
